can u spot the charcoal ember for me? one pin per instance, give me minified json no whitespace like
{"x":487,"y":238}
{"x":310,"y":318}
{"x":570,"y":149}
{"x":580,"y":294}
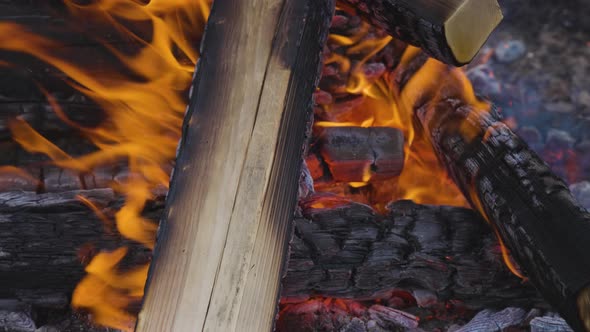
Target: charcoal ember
{"x":355,"y":325}
{"x":342,"y":107}
{"x":392,"y":319}
{"x":388,"y":147}
{"x":581,"y":192}
{"x":321,"y":97}
{"x":488,"y":321}
{"x":309,"y":316}
{"x":356,"y":154}
{"x":16,"y":321}
{"x":347,"y":152}
{"x":315,"y":167}
{"x":549,"y":324}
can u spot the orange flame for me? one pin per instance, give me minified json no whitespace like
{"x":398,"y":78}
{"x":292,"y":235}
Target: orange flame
{"x":385,"y":104}
{"x":144,"y":107}
{"x":423,"y":179}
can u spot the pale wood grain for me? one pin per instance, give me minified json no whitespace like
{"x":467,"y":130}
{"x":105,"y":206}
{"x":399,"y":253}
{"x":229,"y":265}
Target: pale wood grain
{"x":222,"y":247}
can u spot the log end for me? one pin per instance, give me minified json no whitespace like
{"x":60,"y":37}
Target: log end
{"x":468,"y":28}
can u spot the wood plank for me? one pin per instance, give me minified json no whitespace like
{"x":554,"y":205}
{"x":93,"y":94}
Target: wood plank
{"x":221,"y":250}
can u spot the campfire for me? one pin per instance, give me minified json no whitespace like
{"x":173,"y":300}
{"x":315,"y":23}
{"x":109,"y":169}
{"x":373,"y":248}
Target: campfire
{"x":418,"y":207}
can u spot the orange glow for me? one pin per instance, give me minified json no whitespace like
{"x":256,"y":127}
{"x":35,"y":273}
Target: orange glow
{"x":423,"y":179}
{"x":144,"y":107}
{"x":385,"y":104}
{"x":106,"y":292}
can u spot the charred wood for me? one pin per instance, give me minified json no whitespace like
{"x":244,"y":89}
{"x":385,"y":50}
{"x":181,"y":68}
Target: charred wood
{"x":47,"y":238}
{"x":356,"y":154}
{"x":546,"y":230}
{"x":349,"y":251}
{"x":438,"y":27}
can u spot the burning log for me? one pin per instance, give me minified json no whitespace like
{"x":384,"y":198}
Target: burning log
{"x":532,"y":209}
{"x":446,"y":252}
{"x":356,"y":154}
{"x":230,"y":204}
{"x":452,"y":31}
{"x":349,"y":251}
{"x":45,"y":238}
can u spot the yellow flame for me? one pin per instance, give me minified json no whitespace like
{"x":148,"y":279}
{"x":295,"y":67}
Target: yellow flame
{"x":423,"y":179}
{"x":144,"y":108}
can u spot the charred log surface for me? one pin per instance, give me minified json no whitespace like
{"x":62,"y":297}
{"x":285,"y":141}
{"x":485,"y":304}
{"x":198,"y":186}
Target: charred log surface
{"x":45,"y":239}
{"x":351,"y":252}
{"x":438,"y":27}
{"x":347,"y":252}
{"x":544,"y":227}
{"x":356,"y":154}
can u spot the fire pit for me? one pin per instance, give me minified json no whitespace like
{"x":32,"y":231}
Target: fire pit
{"x":418,"y":207}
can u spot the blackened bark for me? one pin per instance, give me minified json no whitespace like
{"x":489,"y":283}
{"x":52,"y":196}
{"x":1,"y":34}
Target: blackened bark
{"x":546,"y":230}
{"x":350,"y":251}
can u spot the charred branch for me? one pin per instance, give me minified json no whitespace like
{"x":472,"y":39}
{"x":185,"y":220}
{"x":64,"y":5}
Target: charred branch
{"x":351,"y":252}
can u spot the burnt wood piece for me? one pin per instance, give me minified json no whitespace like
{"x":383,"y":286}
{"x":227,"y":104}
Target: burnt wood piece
{"x":350,"y":251}
{"x":36,"y":173}
{"x":356,"y":154}
{"x":42,"y":118}
{"x":228,"y":219}
{"x":46,"y":238}
{"x":546,"y":230}
{"x":451,"y":31}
